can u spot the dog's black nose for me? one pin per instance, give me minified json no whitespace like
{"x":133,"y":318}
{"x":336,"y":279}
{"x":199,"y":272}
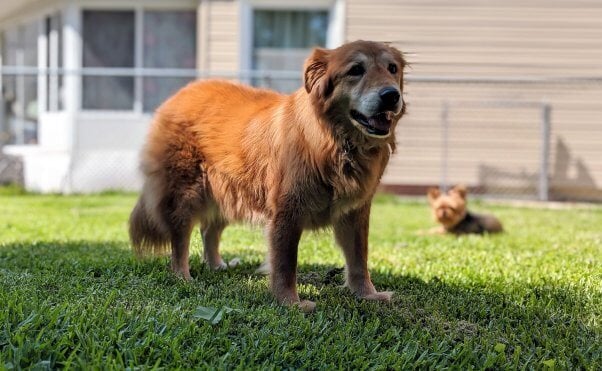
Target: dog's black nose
{"x":389,"y":97}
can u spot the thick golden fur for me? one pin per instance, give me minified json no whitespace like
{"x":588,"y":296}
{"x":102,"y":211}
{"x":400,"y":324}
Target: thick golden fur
{"x":220,"y":152}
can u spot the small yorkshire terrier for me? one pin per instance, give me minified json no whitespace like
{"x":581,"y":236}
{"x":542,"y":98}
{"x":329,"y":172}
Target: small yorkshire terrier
{"x":449,"y":209}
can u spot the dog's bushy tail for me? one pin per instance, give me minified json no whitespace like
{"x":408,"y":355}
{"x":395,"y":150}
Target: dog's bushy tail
{"x":147,"y":231}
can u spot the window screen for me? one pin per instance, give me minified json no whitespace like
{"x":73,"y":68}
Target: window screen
{"x":282,"y":39}
{"x":169,"y":41}
{"x":108,"y":41}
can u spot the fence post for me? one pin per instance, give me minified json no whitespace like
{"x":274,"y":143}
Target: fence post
{"x":544,"y":186}
{"x":444,"y":144}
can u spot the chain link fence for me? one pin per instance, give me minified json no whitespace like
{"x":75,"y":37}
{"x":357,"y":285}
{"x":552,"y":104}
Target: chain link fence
{"x":517,"y":138}
{"x":523,"y":138}
{"x":508,"y":160}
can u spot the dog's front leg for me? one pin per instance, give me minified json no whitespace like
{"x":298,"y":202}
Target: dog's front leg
{"x":351,"y":233}
{"x":284,"y":235}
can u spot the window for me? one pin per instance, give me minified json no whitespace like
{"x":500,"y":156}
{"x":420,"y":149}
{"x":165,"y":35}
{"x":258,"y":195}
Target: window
{"x":282,"y":39}
{"x":167,"y":41}
{"x":19,"y":111}
{"x":108,"y":41}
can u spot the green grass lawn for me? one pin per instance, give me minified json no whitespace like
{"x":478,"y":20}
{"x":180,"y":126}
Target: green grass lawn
{"x":72,"y":294}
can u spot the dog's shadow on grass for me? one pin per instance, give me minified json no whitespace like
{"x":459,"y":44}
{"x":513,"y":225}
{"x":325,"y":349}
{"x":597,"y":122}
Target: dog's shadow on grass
{"x":541,"y":321}
{"x":471,"y":306}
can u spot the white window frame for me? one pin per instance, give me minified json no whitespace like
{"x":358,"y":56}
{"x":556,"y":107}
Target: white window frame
{"x":54,"y":46}
{"x":138,"y":7}
{"x":335,"y":35}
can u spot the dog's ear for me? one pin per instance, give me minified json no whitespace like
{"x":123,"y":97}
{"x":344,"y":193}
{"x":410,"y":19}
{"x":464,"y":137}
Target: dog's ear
{"x":315,"y":76}
{"x":432,"y":194}
{"x":460,"y":190}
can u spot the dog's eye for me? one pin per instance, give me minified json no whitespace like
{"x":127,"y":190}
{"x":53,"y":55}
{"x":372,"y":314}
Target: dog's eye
{"x":392,"y":68}
{"x":356,"y":70}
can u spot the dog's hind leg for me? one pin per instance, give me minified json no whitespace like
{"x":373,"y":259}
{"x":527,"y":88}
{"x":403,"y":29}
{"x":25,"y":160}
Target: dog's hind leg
{"x":180,"y":243}
{"x":179,"y":212}
{"x":211,"y":232}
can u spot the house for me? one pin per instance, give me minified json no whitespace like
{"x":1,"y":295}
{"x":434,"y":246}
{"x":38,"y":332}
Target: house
{"x":504,"y":94}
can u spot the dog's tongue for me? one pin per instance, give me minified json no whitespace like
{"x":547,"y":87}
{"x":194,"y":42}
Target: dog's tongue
{"x":381,"y":121}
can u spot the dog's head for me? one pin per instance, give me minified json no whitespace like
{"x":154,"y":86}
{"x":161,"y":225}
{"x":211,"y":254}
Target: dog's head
{"x":448,"y":208}
{"x":359,"y":86}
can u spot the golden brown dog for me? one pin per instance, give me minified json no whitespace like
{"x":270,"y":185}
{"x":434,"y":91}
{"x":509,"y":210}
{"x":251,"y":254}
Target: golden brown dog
{"x":220,"y":152}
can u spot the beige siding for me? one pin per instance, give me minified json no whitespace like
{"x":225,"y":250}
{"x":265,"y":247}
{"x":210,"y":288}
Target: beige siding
{"x":219,"y":35}
{"x":495,"y":146}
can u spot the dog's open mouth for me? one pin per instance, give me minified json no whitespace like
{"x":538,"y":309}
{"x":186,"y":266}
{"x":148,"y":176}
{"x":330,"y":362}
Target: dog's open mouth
{"x":378,"y":126}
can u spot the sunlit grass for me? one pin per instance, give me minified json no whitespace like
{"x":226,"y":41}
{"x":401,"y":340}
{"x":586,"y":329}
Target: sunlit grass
{"x":71,"y":294}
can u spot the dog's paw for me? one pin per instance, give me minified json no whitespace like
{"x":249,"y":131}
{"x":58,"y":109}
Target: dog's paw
{"x":306,"y":306}
{"x":379,"y":296}
{"x":234,"y":262}
{"x":264,"y":268}
{"x":368,"y":292}
{"x":218,"y":266}
{"x":183,"y":275}
{"x":222,"y":265}
{"x":291,"y":299}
